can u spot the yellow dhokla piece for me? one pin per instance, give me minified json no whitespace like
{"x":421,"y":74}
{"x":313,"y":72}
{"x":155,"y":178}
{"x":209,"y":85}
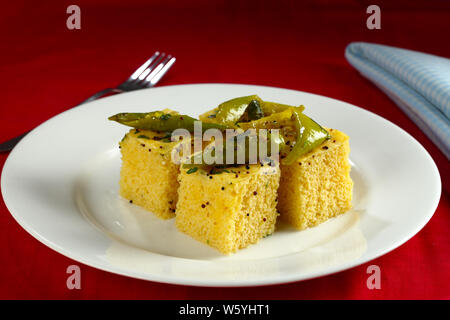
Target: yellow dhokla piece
{"x":148,"y":177}
{"x":230,"y":210}
{"x":318,"y":185}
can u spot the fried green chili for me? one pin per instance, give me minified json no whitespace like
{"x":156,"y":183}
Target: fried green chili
{"x":229,"y":112}
{"x":309,"y":135}
{"x":160,"y":121}
{"x":239,"y":147}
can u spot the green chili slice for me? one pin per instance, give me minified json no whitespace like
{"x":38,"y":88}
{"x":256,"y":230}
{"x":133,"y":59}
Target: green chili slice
{"x":241,"y":148}
{"x":229,"y":112}
{"x":160,"y":121}
{"x":309,"y":135}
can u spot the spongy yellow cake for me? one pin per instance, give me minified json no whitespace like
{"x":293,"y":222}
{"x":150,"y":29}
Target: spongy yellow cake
{"x":230,"y":207}
{"x":229,"y":210}
{"x":148,"y":177}
{"x":318,"y":185}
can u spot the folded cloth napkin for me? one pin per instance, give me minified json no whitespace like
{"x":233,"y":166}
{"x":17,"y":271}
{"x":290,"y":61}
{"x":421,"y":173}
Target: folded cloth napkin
{"x":418,"y":83}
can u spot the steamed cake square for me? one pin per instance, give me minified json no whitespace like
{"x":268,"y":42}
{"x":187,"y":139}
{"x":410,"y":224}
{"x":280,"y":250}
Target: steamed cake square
{"x":230,"y":210}
{"x":148,"y":177}
{"x":317,"y":186}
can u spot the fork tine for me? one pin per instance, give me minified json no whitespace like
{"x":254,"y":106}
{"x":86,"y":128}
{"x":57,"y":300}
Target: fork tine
{"x":157,"y":69}
{"x":142,"y":68}
{"x":144,"y":74}
{"x":155,"y":79}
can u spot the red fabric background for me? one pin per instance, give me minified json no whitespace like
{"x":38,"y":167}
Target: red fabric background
{"x":46,"y":69}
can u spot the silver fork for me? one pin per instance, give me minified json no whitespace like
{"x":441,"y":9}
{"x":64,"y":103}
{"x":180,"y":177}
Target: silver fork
{"x":146,"y":76}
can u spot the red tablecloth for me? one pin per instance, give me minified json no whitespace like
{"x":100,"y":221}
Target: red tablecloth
{"x":46,"y":69}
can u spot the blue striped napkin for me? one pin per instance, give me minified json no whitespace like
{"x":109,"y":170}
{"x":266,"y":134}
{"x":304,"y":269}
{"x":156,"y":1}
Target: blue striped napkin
{"x":418,"y":83}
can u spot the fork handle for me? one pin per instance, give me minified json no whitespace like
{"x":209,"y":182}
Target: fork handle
{"x":101,"y":93}
{"x":8,"y":145}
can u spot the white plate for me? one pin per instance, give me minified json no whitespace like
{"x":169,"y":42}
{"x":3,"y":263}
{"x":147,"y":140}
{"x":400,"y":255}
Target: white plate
{"x":61,"y":185}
